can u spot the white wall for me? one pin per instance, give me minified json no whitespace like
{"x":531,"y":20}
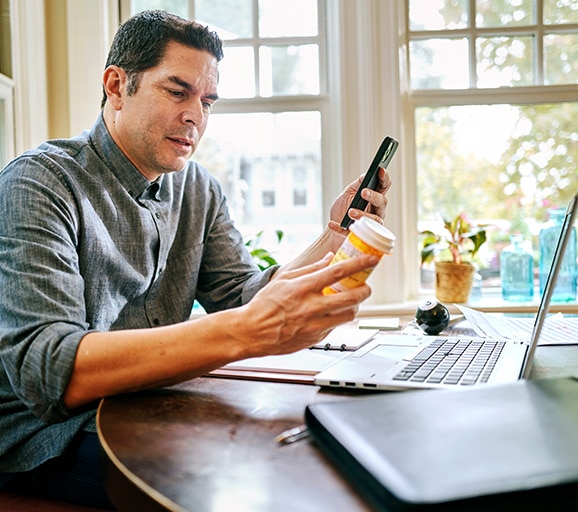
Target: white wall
{"x":90,"y":25}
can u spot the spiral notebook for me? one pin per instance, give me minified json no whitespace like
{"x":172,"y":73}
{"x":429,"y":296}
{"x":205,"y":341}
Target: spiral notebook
{"x":303,"y":365}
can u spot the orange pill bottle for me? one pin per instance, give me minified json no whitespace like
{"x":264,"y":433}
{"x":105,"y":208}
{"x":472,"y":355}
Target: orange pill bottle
{"x":366,"y":236}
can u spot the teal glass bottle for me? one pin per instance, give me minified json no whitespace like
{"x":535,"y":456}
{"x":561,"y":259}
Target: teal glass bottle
{"x":517,"y":271}
{"x":565,"y":290}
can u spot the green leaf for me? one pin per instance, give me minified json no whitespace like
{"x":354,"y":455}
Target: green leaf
{"x":262,"y":256}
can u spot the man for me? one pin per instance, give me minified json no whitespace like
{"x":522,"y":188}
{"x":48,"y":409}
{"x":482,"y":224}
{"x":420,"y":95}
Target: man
{"x":106,"y":240}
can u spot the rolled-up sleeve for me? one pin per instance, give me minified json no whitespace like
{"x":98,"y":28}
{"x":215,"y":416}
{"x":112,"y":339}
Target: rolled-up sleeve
{"x":41,"y":304}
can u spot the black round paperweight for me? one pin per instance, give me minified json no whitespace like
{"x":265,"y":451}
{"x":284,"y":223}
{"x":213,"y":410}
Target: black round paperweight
{"x":432,"y":317}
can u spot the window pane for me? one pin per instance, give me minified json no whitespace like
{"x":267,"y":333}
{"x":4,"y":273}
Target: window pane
{"x":505,"y":61}
{"x":439,"y":64}
{"x":560,"y":52}
{"x":268,"y":198}
{"x":179,"y":7}
{"x":231,"y":18}
{"x":299,"y":197}
{"x":289,"y":70}
{"x":560,"y":11}
{"x":293,"y":18}
{"x":264,"y":160}
{"x":498,"y":14}
{"x":502,"y":164}
{"x":437,"y":14}
{"x":237,"y":73}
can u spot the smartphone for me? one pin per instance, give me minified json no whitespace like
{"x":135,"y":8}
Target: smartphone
{"x":382,"y":158}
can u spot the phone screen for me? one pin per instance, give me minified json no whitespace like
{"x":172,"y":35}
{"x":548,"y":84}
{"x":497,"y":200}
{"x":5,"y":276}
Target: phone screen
{"x":382,"y":158}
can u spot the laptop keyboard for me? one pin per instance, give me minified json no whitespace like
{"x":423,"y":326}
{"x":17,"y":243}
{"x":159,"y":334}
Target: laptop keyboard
{"x":461,"y":361}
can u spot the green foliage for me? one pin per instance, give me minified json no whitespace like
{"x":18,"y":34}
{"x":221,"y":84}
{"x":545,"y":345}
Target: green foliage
{"x":537,"y":168}
{"x":261,"y":256}
{"x":459,"y":241}
{"x":448,"y":176}
{"x":545,"y":155}
{"x":536,"y":171}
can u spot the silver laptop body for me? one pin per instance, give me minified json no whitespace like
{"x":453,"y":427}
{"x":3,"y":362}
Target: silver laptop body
{"x":388,"y":362}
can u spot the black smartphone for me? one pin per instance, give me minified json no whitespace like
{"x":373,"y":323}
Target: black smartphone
{"x":382,"y":158}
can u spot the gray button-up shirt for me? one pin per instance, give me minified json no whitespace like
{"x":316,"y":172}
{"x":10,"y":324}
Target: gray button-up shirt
{"x":87,"y":243}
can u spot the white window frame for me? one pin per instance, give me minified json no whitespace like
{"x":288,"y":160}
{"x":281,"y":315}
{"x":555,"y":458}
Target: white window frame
{"x":6,"y":119}
{"x":367,"y":98}
{"x":29,"y":73}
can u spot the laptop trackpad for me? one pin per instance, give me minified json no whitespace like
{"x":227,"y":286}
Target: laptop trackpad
{"x":371,"y":366}
{"x":386,"y":354}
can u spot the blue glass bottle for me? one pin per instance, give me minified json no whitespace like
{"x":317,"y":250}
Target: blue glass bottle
{"x":517,"y":271}
{"x":565,"y":290}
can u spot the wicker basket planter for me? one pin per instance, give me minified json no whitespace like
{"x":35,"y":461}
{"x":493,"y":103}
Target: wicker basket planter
{"x":454,"y":281}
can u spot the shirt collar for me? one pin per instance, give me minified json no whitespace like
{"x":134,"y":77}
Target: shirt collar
{"x":131,"y":178}
{"x":153,"y":191}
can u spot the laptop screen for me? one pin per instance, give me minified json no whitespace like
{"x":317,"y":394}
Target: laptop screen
{"x":551,"y":281}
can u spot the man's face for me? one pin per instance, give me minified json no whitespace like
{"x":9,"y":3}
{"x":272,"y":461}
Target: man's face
{"x":161,"y":124}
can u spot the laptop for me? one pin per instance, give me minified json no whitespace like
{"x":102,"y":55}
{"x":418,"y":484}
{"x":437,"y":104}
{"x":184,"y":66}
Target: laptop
{"x":395,"y":362}
{"x":485,"y":448}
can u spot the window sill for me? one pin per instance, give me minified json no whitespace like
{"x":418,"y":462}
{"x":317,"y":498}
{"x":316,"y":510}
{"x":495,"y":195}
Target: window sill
{"x":490,"y":302}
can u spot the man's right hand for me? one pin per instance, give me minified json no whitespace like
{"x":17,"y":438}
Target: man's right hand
{"x":291,"y":312}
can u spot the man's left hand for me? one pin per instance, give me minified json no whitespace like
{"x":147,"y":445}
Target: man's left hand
{"x":376,"y":207}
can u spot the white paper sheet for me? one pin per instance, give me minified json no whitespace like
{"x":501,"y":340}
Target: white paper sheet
{"x":557,"y":329}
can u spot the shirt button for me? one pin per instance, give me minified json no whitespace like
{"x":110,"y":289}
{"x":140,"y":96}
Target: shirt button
{"x":158,"y":215}
{"x":156,"y":321}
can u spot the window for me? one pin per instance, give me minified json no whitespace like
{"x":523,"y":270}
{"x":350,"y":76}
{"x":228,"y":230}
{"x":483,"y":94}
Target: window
{"x":493,"y":102}
{"x":263,"y":140}
{"x":481,"y":94}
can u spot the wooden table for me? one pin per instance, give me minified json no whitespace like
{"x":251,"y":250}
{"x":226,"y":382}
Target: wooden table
{"x":209,"y":445}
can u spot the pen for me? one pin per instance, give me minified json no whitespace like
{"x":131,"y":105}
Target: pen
{"x":292,"y":435}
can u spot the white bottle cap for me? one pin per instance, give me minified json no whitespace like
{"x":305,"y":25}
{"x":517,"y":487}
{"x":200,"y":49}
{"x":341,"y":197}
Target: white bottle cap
{"x":374,"y":234}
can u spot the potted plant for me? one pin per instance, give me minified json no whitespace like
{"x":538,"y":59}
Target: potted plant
{"x":262,"y":256}
{"x":453,"y":251}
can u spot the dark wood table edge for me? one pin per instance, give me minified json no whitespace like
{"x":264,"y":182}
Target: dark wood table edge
{"x":125,"y":489}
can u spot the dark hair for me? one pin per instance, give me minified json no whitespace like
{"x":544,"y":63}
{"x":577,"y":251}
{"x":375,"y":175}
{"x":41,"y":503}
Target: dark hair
{"x":140,"y":42}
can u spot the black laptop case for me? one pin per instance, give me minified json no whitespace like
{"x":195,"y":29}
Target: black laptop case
{"x":507,"y":447}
